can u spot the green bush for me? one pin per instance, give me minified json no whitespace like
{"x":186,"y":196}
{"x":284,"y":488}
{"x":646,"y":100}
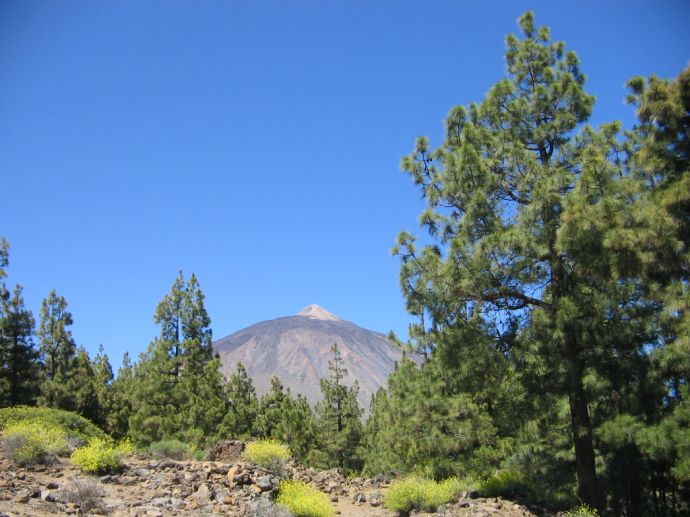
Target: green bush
{"x":269,"y":454}
{"x":504,"y":483}
{"x":27,"y":443}
{"x":303,"y":500}
{"x":78,"y":428}
{"x":582,"y":511}
{"x":101,"y":456}
{"x":171,"y":449}
{"x":414,"y":492}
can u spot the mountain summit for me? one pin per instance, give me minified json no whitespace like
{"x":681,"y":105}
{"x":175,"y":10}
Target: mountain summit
{"x":318,"y":313}
{"x":297,"y":349}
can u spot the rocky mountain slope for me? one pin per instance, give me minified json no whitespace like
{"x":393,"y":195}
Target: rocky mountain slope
{"x":297,"y":350}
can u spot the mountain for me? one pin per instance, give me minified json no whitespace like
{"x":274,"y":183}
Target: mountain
{"x":297,"y":350}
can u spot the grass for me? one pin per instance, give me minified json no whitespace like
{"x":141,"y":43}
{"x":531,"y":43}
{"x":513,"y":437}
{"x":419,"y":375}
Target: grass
{"x":303,"y":500}
{"x":269,"y":454}
{"x":27,"y":442}
{"x":414,"y":492}
{"x":101,"y":456}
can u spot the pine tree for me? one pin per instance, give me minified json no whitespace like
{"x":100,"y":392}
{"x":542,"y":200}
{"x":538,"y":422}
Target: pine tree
{"x":82,"y":385}
{"x":58,"y":351}
{"x":121,"y":396}
{"x":338,"y":417}
{"x":4,"y":256}
{"x":103,"y":372}
{"x":536,"y":234}
{"x":424,"y":422}
{"x":242,"y":405}
{"x":296,"y":426}
{"x":204,"y":402}
{"x":154,"y":397}
{"x":19,"y":359}
{"x":177,"y":387}
{"x":4,"y":300}
{"x":269,"y":410}
{"x":648,"y":431}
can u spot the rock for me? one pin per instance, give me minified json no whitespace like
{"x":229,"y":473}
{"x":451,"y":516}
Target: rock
{"x":168,"y":464}
{"x":52,"y":485}
{"x":264,"y":483}
{"x":203,"y":495}
{"x":220,"y":470}
{"x":22,"y":496}
{"x":161,"y":502}
{"x":142,"y":473}
{"x":375,"y":499}
{"x":359,"y":498}
{"x":228,"y":451}
{"x":232,"y":472}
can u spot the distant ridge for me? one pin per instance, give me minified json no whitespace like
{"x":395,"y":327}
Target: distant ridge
{"x":297,"y":350}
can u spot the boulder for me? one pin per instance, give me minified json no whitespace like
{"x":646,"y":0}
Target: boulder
{"x":228,"y":451}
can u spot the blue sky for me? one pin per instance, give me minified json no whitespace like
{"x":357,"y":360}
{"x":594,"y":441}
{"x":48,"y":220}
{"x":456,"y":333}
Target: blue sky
{"x":255,"y":143}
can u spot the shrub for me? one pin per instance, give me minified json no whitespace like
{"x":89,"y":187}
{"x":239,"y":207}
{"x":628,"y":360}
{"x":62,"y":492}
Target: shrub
{"x":87,"y":493}
{"x":303,"y":500}
{"x":27,"y":443}
{"x":101,"y":456}
{"x":582,"y":510}
{"x":414,"y":492}
{"x":269,"y":454}
{"x":79,"y":430}
{"x":504,"y":483}
{"x":172,"y":449}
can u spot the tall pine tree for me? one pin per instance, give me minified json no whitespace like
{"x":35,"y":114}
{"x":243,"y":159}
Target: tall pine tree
{"x":242,"y":405}
{"x":58,"y":352}
{"x":338,"y":418}
{"x":536,"y":232}
{"x":177,"y":387}
{"x":19,"y":359}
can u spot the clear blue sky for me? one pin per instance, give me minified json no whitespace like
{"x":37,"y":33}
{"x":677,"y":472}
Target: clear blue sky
{"x":255,"y":143}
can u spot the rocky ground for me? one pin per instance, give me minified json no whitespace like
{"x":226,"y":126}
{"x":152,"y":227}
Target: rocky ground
{"x":226,"y":486}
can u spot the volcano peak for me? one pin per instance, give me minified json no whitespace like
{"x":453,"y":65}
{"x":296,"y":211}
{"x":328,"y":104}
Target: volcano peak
{"x":317,"y":313}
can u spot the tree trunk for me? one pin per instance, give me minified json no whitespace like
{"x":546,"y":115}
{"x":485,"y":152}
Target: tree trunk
{"x":588,"y":485}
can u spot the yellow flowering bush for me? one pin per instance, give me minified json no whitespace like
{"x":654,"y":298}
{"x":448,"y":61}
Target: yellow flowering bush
{"x":267,"y":453}
{"x":582,"y":511}
{"x":77,"y":427}
{"x":27,"y":442}
{"x":101,"y":456}
{"x":414,"y":492}
{"x":303,"y":500}
{"x":504,"y":483}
